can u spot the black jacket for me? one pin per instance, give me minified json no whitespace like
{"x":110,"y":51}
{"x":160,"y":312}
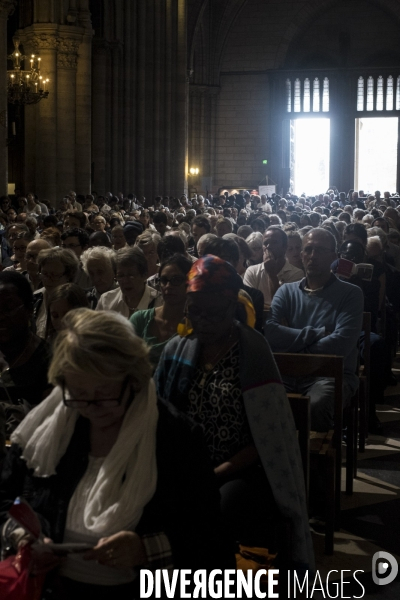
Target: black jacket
{"x":185,"y":505}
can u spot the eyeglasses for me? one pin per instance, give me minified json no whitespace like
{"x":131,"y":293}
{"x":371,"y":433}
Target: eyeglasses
{"x":52,"y":276}
{"x":30,"y":256}
{"x":196,"y":314}
{"x":101,"y":403}
{"x":176,"y":280}
{"x":19,"y":248}
{"x":70,"y":246}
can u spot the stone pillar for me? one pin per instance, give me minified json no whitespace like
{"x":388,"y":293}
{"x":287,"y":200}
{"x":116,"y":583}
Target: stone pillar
{"x":42,"y":149}
{"x":58,"y":129}
{"x":117,"y":129}
{"x":67,"y":59}
{"x":168,"y":98}
{"x":127,"y":108}
{"x":158,"y":92}
{"x":180,"y":184}
{"x":141,"y":99}
{"x":99,"y":110}
{"x":6,"y":8}
{"x":83,"y":155}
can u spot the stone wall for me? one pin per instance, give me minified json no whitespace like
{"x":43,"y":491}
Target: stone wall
{"x":257,"y":38}
{"x":140,"y":98}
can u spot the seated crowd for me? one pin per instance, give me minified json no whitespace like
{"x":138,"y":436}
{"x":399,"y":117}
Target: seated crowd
{"x":138,"y":387}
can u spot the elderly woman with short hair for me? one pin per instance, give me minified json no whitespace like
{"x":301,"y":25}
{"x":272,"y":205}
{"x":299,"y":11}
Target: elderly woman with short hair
{"x":255,"y":243}
{"x":117,"y":237}
{"x":98,"y":263}
{"x":56,"y":266}
{"x":148,"y":242}
{"x":99,"y":223}
{"x":133,"y":294}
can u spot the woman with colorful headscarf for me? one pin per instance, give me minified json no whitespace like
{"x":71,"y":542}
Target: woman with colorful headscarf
{"x":221,"y":373}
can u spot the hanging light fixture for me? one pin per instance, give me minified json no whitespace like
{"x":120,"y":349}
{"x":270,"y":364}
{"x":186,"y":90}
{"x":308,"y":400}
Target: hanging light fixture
{"x":23,"y":86}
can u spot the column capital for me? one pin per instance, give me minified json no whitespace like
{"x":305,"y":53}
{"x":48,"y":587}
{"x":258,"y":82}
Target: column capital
{"x":7,"y":7}
{"x":64,"y":41}
{"x":37,"y":41}
{"x":67,"y":57}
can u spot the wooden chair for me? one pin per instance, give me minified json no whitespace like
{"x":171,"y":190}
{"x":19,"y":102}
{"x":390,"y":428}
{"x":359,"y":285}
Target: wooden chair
{"x":356,"y":415}
{"x":327,"y":446}
{"x":300,"y":406}
{"x":364,"y":375}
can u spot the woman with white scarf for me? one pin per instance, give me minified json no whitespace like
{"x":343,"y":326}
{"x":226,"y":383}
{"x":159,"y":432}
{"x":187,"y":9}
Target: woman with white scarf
{"x":102,"y":464}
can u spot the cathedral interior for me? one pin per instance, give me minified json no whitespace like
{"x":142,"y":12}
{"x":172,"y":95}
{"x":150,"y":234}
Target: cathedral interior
{"x":166,"y":97}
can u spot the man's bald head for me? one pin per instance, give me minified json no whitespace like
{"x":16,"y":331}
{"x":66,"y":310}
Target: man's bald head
{"x":31,"y":256}
{"x":318,"y":253}
{"x":38,"y":245}
{"x":322,"y":235}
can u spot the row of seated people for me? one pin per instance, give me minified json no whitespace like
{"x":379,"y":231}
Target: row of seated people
{"x":195,"y":370}
{"x":107,"y":460}
{"x":282,"y":264}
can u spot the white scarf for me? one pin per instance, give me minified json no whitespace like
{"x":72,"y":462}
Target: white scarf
{"x":114,"y":504}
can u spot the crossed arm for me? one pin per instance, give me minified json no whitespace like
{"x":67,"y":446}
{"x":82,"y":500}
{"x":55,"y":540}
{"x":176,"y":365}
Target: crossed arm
{"x":315,"y":338}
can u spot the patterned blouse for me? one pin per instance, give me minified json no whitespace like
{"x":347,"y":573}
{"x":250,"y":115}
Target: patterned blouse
{"x":216,"y":404}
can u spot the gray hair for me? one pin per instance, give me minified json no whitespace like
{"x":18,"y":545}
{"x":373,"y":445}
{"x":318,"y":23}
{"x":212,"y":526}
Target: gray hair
{"x":148,"y":237}
{"x":98,"y":253}
{"x":204,"y":240}
{"x":132,"y":256}
{"x":255,"y":241}
{"x":66,"y":257}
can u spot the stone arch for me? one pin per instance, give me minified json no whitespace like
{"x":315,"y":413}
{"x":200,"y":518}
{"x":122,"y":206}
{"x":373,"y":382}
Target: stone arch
{"x":197,"y":9}
{"x":310,"y":12}
{"x":225,"y":13}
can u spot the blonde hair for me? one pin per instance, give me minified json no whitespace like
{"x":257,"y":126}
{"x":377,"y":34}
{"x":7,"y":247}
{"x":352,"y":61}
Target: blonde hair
{"x":102,"y":344}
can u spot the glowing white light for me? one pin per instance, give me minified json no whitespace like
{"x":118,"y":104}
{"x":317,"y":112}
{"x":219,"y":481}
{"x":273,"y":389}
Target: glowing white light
{"x":377,"y":154}
{"x":311,"y":156}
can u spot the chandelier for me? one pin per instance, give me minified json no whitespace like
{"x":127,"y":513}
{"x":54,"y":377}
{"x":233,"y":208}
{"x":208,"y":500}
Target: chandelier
{"x":25,"y":87}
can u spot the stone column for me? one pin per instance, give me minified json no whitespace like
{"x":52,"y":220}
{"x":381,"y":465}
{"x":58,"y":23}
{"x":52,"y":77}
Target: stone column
{"x":127,"y":99}
{"x":6,"y":8}
{"x":99,"y":109}
{"x":180,"y":184}
{"x":168,"y":98}
{"x":117,"y":128}
{"x":83,"y":155}
{"x":141,"y":100}
{"x":157,"y":121}
{"x":67,"y":59}
{"x":41,"y":142}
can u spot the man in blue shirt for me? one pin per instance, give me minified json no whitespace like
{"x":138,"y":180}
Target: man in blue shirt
{"x":318,"y":315}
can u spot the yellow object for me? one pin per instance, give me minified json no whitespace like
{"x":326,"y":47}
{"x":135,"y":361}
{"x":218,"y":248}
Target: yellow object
{"x":249,"y":308}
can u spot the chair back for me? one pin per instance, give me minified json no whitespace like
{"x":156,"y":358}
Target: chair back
{"x":300,"y":406}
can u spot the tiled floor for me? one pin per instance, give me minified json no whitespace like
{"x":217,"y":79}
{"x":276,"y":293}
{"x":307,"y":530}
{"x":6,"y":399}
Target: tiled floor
{"x":371,"y":516}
